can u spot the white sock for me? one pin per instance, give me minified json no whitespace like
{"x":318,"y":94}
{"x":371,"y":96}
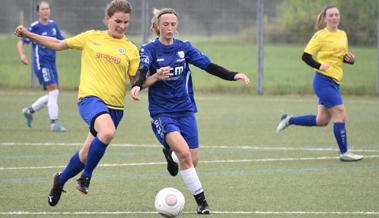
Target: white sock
{"x":192,"y":180}
{"x":40,"y":103}
{"x":52,"y":104}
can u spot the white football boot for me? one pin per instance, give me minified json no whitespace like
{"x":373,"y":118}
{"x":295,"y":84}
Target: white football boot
{"x":283,"y":123}
{"x":347,"y":156}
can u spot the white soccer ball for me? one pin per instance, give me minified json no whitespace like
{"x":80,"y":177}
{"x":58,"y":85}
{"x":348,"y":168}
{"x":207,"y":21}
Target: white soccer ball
{"x":169,"y":202}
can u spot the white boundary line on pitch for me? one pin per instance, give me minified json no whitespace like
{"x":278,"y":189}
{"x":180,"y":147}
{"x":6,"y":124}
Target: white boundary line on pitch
{"x":189,"y":212}
{"x":75,"y":144}
{"x":204,"y":162}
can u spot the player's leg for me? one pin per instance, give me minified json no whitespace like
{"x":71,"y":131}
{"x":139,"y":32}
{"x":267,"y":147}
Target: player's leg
{"x":338,"y":113}
{"x":189,"y":131}
{"x":172,"y":161}
{"x":302,"y":120}
{"x":50,"y":77}
{"x":331,"y":98}
{"x":105,"y":132}
{"x":320,"y":88}
{"x":52,"y":107}
{"x":160,"y":125}
{"x":103,"y":125}
{"x":37,"y":105}
{"x":323,"y":116}
{"x":187,"y":170}
{"x":28,"y":112}
{"x":195,"y":156}
{"x":73,"y":168}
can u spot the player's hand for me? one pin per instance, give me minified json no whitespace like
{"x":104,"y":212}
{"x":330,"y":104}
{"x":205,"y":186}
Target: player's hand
{"x":324,"y":67}
{"x":349,"y":58}
{"x":24,"y":60}
{"x":20,"y":31}
{"x":242,"y":77}
{"x":134,"y":93}
{"x":163,"y":73}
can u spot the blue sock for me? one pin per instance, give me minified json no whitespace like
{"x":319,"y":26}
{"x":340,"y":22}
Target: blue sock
{"x":340,"y":135}
{"x":95,"y":153}
{"x":73,"y":167}
{"x":306,"y":120}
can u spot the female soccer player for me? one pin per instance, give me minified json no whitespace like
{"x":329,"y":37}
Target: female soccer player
{"x":330,"y":44}
{"x":108,"y":58}
{"x":44,"y":67}
{"x":171,"y":102}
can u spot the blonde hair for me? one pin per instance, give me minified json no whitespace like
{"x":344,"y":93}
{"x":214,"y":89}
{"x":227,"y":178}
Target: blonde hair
{"x":320,"y":20}
{"x":118,"y":6}
{"x":156,"y":15}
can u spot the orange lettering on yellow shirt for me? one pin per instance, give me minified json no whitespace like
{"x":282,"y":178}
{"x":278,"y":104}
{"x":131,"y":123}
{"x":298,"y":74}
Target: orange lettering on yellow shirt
{"x":108,"y":57}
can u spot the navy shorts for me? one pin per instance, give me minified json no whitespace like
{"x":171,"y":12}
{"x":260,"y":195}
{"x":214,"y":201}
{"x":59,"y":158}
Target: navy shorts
{"x":327,"y":90}
{"x":46,"y":74}
{"x":183,"y":123}
{"x":91,"y":107}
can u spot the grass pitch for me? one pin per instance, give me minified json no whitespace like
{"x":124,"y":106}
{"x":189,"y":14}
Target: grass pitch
{"x":246,"y":169}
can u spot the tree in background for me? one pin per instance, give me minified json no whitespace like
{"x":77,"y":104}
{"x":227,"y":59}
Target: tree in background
{"x":296,"y":19}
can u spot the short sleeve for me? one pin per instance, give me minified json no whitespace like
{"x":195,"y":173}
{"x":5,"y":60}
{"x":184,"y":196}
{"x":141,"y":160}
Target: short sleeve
{"x":134,"y":61}
{"x":146,"y":56}
{"x":78,"y":41}
{"x":195,"y":57}
{"x":59,"y":33}
{"x":313,"y":45}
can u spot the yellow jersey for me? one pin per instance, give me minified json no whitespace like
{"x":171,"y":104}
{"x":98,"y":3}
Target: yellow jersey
{"x":330,"y":48}
{"x":106,"y":63}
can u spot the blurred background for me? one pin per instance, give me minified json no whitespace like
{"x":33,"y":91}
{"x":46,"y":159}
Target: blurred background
{"x":225,"y":30}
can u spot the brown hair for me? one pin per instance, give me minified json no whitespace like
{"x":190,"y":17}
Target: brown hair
{"x":156,"y":15}
{"x":118,"y":6}
{"x":321,"y":16}
{"x":39,"y":3}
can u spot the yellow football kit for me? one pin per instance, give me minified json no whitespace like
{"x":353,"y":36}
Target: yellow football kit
{"x":330,"y":48}
{"x":106,"y":64}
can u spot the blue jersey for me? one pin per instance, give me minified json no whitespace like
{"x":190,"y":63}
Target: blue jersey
{"x":174,"y":95}
{"x":42,"y":55}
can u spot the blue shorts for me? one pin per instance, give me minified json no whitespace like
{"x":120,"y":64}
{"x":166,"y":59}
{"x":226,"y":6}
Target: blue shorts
{"x":91,"y":107}
{"x":327,"y":90}
{"x":46,"y":74}
{"x":184,"y":123}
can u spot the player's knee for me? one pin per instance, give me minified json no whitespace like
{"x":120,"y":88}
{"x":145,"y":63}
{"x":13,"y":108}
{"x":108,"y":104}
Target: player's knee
{"x":185,"y":158}
{"x":322,"y":123}
{"x":106,"y":136}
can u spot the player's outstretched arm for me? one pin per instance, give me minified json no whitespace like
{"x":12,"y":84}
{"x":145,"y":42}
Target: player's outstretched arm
{"x":47,"y":41}
{"x":225,"y":74}
{"x":242,"y":77}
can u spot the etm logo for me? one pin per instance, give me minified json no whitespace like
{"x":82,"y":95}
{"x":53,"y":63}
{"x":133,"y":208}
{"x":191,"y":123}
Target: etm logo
{"x":177,"y":71}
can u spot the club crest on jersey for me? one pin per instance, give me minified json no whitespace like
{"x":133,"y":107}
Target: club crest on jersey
{"x":181,"y":54}
{"x":145,"y":59}
{"x":121,"y":50}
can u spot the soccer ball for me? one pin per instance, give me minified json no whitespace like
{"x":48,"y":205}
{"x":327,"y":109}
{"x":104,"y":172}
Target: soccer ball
{"x":169,"y":202}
